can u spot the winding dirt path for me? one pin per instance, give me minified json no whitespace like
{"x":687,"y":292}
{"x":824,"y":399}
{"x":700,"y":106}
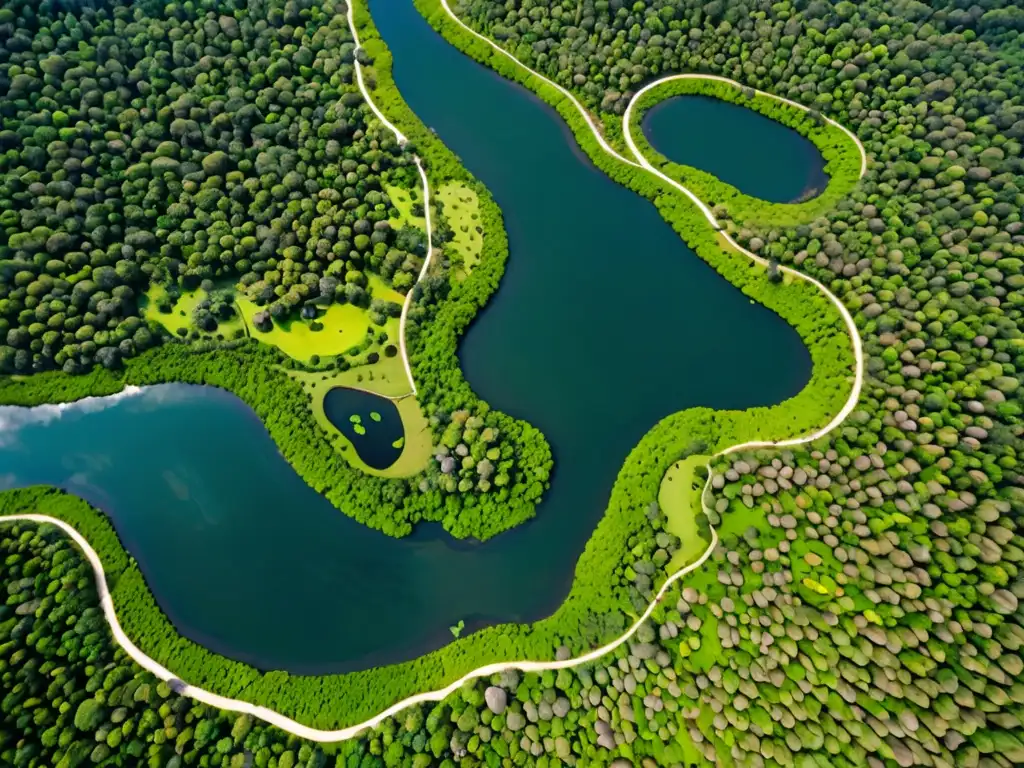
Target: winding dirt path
{"x":426,"y":260}
{"x":315,"y":734}
{"x":426,"y":195}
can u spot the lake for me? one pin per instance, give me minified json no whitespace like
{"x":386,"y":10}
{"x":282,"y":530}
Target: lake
{"x":755,"y":154}
{"x":604,"y":323}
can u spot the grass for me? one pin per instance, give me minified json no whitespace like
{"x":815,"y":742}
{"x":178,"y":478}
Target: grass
{"x":679,"y":499}
{"x":344,"y":326}
{"x":180,"y":315}
{"x":386,"y":377}
{"x":710,"y":651}
{"x":390,"y":382}
{"x":462,"y":211}
{"x":402,"y":199}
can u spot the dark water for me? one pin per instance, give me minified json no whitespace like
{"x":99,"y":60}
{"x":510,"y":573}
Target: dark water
{"x":757,"y":155}
{"x":350,"y":409}
{"x":604,"y":323}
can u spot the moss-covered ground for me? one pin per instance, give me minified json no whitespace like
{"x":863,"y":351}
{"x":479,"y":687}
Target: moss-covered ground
{"x":403,"y":199}
{"x":462,"y":212}
{"x":336,"y":330}
{"x":344,"y":327}
{"x":679,"y":499}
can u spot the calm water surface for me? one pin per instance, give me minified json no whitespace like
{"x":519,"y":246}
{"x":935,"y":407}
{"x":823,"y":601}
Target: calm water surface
{"x":757,"y":155}
{"x":351,"y":410}
{"x":605,"y":322}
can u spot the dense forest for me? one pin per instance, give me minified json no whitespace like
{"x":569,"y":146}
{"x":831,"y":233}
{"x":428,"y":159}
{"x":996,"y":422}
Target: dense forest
{"x":618,"y":570}
{"x":145,"y":144}
{"x":199,"y":145}
{"x":863,"y":606}
{"x":879,"y":581}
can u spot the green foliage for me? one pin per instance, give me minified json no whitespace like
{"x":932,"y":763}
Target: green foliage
{"x":283,"y":213}
{"x":176,"y":159}
{"x":71,"y":697}
{"x":907,"y":516}
{"x":603,"y":592}
{"x":866,"y":586}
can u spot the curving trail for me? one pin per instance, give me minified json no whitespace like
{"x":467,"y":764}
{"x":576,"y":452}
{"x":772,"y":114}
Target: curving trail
{"x":315,"y":734}
{"x":642,"y":162}
{"x":426,"y":196}
{"x":430,"y":248}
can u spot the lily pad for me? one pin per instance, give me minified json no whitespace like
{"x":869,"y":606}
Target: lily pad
{"x":355,"y":418}
{"x":374,"y":415}
{"x":399,"y":443}
{"x":359,"y":429}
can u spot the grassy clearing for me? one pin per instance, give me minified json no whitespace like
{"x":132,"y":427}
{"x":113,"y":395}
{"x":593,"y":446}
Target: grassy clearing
{"x":386,"y":378}
{"x":389,"y":383}
{"x":344,"y":327}
{"x":403,"y":199}
{"x":679,"y":499}
{"x":462,"y":211}
{"x":710,"y":650}
{"x":180,"y":315}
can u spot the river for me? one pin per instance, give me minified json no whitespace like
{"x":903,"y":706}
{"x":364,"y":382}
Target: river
{"x":604,"y":323}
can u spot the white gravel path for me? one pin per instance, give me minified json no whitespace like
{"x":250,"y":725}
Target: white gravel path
{"x":426,"y":197}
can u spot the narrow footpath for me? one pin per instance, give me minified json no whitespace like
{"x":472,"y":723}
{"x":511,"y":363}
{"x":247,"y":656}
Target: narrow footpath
{"x":402,"y":140}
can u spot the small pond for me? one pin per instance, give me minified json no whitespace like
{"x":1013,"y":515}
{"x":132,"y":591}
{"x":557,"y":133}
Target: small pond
{"x":757,"y":155}
{"x":370,"y":422}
